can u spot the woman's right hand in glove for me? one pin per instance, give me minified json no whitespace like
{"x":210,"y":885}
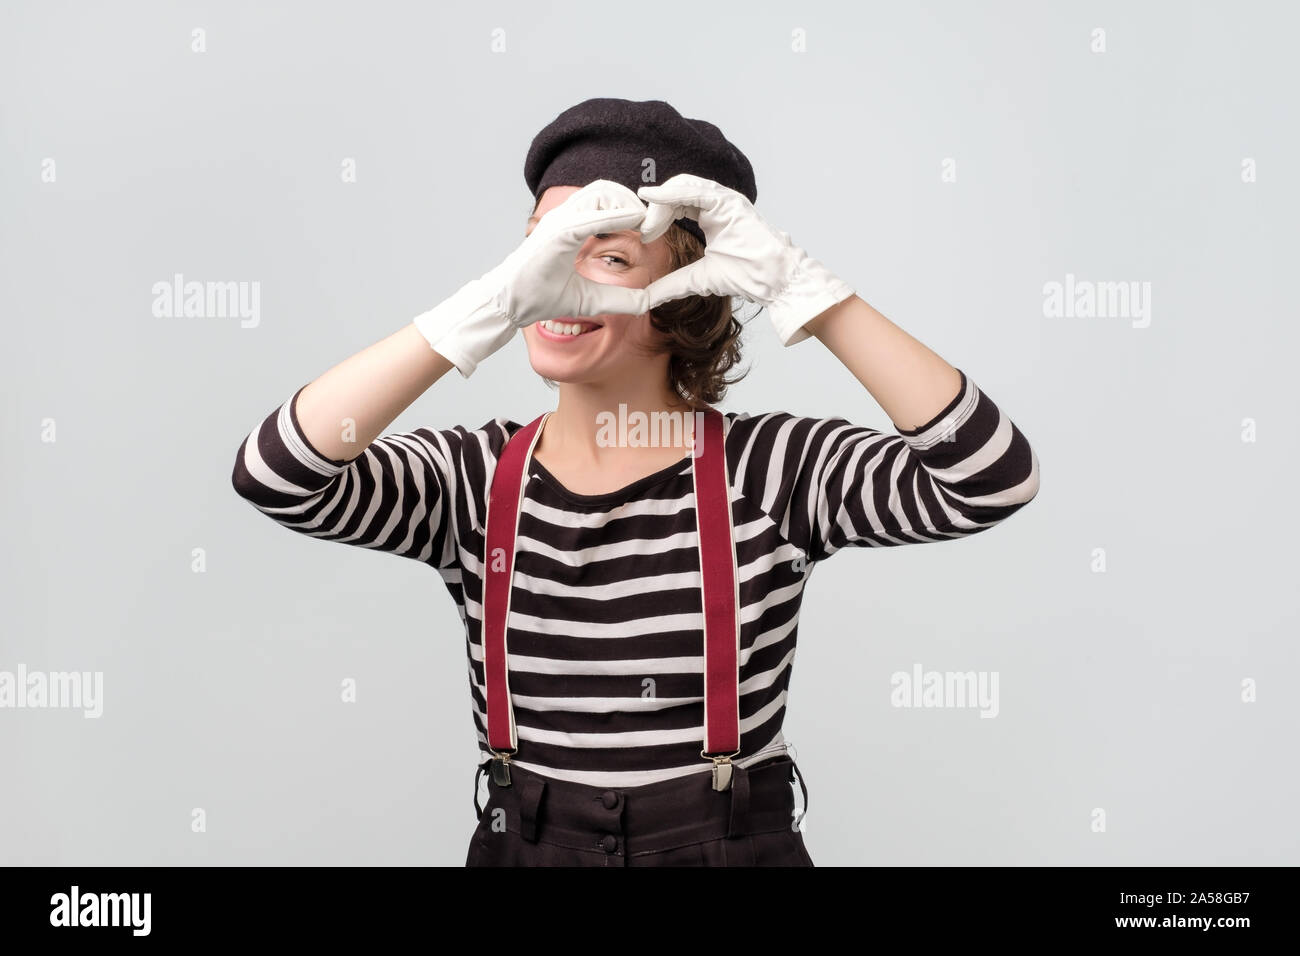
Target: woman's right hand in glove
{"x":538,"y":280}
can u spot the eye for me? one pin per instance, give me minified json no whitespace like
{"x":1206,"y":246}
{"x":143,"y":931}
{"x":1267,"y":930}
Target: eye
{"x":618,"y":259}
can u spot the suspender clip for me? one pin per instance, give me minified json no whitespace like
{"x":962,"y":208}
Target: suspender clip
{"x":722,"y":769}
{"x":501,"y":767}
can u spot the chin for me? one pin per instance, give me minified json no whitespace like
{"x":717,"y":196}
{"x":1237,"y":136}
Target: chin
{"x":561,"y":372}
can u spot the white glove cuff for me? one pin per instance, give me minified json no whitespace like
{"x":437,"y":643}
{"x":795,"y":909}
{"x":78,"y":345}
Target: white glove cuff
{"x":811,"y":291}
{"x":467,"y":327}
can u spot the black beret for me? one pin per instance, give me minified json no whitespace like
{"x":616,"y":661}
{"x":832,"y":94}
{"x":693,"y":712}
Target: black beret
{"x":606,"y":138}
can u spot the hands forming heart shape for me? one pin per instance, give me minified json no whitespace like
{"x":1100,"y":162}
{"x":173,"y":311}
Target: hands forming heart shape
{"x":744,"y":256}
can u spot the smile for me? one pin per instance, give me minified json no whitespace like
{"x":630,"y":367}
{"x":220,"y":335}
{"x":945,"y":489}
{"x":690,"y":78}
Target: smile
{"x":558,"y":331}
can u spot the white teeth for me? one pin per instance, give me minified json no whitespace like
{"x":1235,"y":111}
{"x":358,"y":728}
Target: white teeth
{"x":561,"y":328}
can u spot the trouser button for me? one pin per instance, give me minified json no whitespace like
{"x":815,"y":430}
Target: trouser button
{"x":610,"y":799}
{"x":608,"y":843}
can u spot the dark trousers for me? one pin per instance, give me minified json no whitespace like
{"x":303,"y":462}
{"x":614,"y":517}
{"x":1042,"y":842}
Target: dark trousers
{"x":541,"y":821}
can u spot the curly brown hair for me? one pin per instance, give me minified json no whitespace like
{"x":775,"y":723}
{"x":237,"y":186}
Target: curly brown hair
{"x":701,"y":332}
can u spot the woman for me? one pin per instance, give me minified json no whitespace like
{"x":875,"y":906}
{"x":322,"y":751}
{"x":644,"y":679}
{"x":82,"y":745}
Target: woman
{"x":636,"y":717}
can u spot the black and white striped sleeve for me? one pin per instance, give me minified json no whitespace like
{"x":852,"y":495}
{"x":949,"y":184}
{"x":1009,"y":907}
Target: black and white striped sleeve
{"x":832,"y":484}
{"x":399,"y":495}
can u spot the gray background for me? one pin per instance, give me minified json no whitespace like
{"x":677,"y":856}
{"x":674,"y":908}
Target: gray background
{"x":1119,"y":690}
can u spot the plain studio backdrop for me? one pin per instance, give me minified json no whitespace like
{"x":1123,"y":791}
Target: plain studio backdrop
{"x":355,"y":164}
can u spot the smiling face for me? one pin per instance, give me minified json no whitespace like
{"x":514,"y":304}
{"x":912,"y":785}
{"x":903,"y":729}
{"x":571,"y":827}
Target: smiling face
{"x":612,"y":347}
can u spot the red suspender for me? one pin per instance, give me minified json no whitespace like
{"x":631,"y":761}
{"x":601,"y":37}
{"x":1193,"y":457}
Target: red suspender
{"x":720,"y":598}
{"x":498,"y":571}
{"x":721,"y":602}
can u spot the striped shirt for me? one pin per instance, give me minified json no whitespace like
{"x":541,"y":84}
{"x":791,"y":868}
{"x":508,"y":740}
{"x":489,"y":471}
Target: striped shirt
{"x":605,"y":634}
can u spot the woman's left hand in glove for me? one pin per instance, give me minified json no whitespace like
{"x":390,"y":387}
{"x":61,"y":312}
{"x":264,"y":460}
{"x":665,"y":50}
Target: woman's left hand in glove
{"x":744,"y":256}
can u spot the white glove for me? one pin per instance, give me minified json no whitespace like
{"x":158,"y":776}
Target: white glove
{"x":537,"y":281}
{"x":744,"y":256}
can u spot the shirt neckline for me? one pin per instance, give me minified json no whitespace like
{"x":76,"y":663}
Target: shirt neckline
{"x":618,"y":494}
